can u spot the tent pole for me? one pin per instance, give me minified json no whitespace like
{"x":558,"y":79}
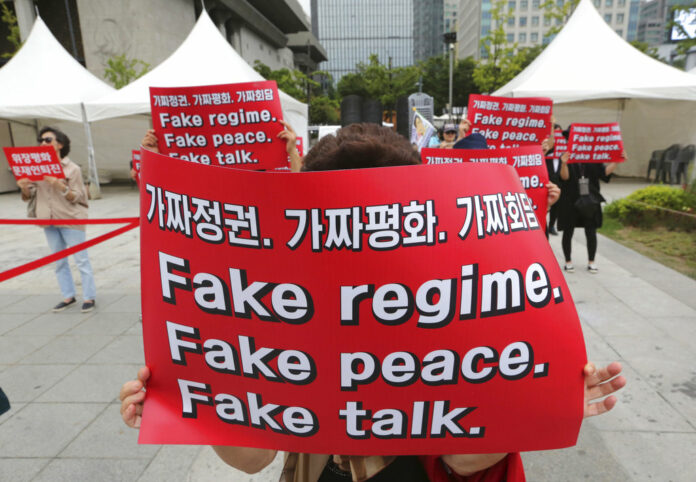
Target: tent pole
{"x":93,"y":177}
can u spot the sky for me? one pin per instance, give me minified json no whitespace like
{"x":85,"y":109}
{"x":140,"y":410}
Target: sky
{"x":305,"y":6}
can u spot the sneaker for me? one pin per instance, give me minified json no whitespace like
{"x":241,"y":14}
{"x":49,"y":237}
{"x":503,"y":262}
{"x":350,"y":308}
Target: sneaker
{"x":88,"y":306}
{"x":569,"y":268}
{"x":553,"y":231}
{"x":592,"y":269}
{"x":63,"y":305}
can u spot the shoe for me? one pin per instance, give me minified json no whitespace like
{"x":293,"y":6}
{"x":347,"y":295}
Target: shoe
{"x":592,"y":269}
{"x":88,"y":306}
{"x":64,"y":304}
{"x":553,"y":231}
{"x":569,"y":268}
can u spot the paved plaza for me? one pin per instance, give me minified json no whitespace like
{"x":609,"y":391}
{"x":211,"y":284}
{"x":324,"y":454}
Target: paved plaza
{"x":62,"y":372}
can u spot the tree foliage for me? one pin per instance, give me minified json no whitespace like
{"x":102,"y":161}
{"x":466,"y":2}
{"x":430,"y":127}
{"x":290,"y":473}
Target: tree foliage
{"x":683,"y":46}
{"x":10,"y":19}
{"x":435,"y":72}
{"x":121,"y":71}
{"x":558,"y":14}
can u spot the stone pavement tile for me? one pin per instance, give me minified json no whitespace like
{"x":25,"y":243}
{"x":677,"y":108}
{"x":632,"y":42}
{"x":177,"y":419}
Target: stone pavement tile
{"x":10,"y":321}
{"x":15,"y":408}
{"x":125,"y":304}
{"x":649,"y":301}
{"x":15,"y":348}
{"x":682,"y":328}
{"x":123,"y":349}
{"x":7,"y":299}
{"x":21,"y":470}
{"x":45,"y":429}
{"x":654,"y":456}
{"x":209,"y":468}
{"x":105,"y":324}
{"x":51,"y":324}
{"x":617,"y":319}
{"x":35,"y":303}
{"x":108,"y":437}
{"x":101,"y":470}
{"x":590,"y":459}
{"x":171,"y":461}
{"x":597,"y":348}
{"x":136,"y":329}
{"x":642,"y":408}
{"x":69,"y":349}
{"x":23,"y":383}
{"x":90,"y":383}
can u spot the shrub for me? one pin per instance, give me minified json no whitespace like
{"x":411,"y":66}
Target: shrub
{"x":641,"y":208}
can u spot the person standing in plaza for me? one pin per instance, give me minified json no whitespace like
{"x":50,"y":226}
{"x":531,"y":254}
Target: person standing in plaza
{"x":54,"y":198}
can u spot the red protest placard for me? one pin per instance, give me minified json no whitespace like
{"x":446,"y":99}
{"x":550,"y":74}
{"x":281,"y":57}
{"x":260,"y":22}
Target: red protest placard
{"x":510,"y":122}
{"x":527,"y":161}
{"x":135,"y":158}
{"x":595,"y":143}
{"x":230,"y":125}
{"x":424,"y":313}
{"x":560,"y":145}
{"x":34,"y":163}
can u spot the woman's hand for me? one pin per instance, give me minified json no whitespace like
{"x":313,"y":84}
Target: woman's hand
{"x":554,"y":193}
{"x":149,"y":142}
{"x":132,"y":396}
{"x":600,"y":383}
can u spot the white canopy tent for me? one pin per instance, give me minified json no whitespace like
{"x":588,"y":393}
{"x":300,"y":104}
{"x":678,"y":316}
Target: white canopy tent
{"x":204,"y":58}
{"x":593,"y":75}
{"x":43,"y":81}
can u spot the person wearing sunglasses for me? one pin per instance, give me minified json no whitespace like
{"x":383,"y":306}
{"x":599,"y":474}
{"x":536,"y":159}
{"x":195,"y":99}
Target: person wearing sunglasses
{"x":63,"y":199}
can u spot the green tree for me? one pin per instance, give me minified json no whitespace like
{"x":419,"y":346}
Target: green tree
{"x":323,"y":110}
{"x":558,"y":13}
{"x":435,"y":72}
{"x":647,"y":49}
{"x":683,"y":46}
{"x":10,"y":19}
{"x":121,"y":71}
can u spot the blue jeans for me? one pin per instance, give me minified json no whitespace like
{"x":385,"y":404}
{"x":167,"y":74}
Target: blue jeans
{"x":62,"y":238}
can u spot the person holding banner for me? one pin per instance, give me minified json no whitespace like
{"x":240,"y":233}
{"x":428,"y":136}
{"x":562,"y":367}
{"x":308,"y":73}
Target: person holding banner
{"x":580,"y":206}
{"x":449,"y":134}
{"x":63,"y":199}
{"x":368,"y":146}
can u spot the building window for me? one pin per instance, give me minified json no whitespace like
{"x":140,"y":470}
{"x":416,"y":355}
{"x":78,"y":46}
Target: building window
{"x":512,"y":5}
{"x":535,"y":4}
{"x":522,"y":38}
{"x":597,"y":3}
{"x":559,"y":3}
{"x":622,"y":3}
{"x":510,"y":38}
{"x":511,"y":21}
{"x":523,"y":4}
{"x":535,"y":21}
{"x":547,"y":20}
{"x":534,"y":37}
{"x":619,"y":32}
{"x":608,"y":3}
{"x":523,"y":21}
{"x":619,"y":18}
{"x":607,"y":17}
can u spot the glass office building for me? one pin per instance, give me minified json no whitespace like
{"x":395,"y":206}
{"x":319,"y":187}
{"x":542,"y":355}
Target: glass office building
{"x":404,"y":31}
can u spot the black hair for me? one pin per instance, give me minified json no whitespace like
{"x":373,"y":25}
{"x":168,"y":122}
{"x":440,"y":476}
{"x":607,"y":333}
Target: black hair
{"x":61,"y":137}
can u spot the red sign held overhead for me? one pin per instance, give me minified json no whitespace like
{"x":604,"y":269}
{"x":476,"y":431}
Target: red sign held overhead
{"x":34,"y":163}
{"x":560,"y":144}
{"x":230,"y":125}
{"x":595,"y":143}
{"x":527,"y":161}
{"x":510,"y":122}
{"x":424,"y":313}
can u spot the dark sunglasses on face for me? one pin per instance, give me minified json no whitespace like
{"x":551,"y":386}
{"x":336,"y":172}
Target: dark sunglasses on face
{"x":47,"y":140}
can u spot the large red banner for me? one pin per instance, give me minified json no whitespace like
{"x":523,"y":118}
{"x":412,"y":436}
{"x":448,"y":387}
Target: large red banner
{"x":527,"y":161}
{"x":595,"y":143}
{"x":560,"y":144}
{"x":33,"y":163}
{"x":423,"y":313}
{"x":229,"y":125}
{"x":510,"y":122}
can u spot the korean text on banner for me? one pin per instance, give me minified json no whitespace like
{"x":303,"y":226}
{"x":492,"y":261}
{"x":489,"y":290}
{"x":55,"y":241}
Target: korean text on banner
{"x":527,"y":161}
{"x":424,"y":313}
{"x":510,"y":122}
{"x":595,"y":143}
{"x":34,"y":163}
{"x":230,"y":125}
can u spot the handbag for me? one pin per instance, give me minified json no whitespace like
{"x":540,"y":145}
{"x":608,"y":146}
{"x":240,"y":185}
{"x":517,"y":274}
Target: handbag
{"x":586,"y":204}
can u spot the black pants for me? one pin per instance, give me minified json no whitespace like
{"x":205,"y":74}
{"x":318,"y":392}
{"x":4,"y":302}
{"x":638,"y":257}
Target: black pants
{"x":553,"y":215}
{"x":590,"y":234}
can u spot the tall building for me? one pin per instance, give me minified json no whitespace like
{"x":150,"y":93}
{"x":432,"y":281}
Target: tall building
{"x":451,"y":10}
{"x":398,"y":31}
{"x":654,"y":18}
{"x":528,"y":25}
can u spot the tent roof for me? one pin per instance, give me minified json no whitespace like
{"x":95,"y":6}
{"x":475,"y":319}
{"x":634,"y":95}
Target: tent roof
{"x":44,"y":80}
{"x":204,"y":58}
{"x":588,"y":60}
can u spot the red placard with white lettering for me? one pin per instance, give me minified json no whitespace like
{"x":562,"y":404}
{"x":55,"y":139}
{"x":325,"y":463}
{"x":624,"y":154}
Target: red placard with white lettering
{"x":510,"y":122}
{"x":229,"y":125}
{"x":560,"y":145}
{"x":135,"y":158}
{"x":527,"y":161}
{"x":34,"y":163}
{"x":595,"y":143}
{"x":423,"y":313}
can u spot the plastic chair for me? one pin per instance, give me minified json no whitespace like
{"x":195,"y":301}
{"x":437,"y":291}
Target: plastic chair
{"x":684,"y":158}
{"x":654,"y":163}
{"x":669,"y":159}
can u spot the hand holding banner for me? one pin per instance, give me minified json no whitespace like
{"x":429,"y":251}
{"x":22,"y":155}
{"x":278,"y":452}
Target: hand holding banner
{"x":510,"y":122}
{"x":230,"y":125}
{"x":595,"y":143}
{"x":34,"y":163}
{"x":421,"y":314}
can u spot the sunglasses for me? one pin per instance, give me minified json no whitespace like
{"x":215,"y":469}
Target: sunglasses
{"x":47,"y":140}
